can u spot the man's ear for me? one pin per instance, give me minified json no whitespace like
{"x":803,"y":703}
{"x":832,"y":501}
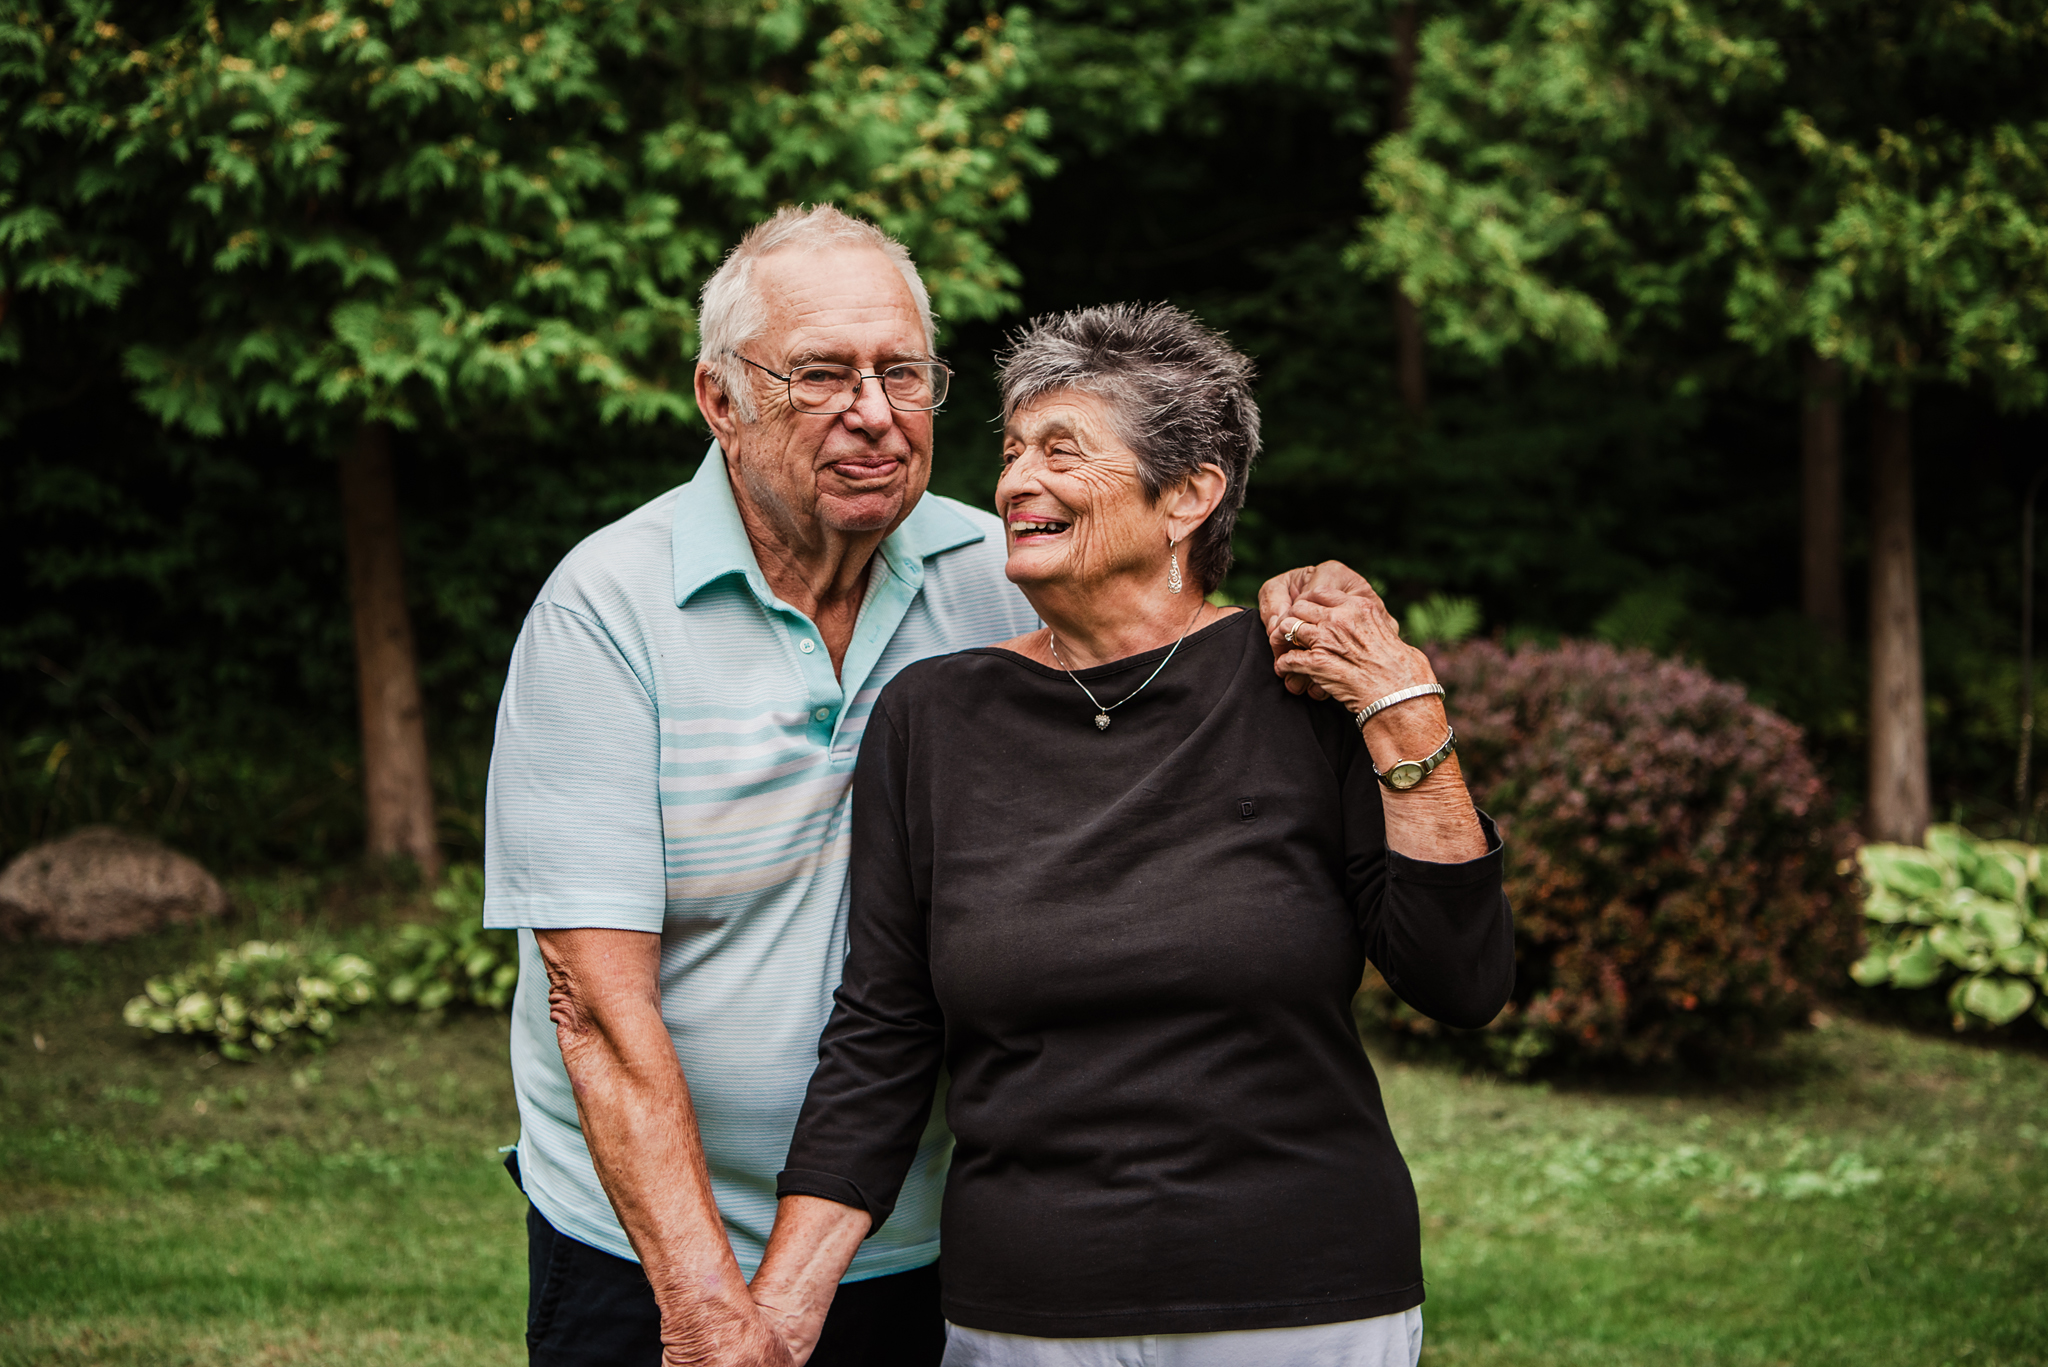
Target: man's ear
{"x":717,"y":407}
{"x":1199,"y":495}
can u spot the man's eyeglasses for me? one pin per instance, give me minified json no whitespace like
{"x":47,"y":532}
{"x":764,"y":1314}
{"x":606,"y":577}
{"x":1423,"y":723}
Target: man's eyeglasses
{"x":818,"y":387}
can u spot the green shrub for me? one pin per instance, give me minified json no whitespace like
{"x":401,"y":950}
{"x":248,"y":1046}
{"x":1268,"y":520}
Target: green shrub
{"x":454,"y":961}
{"x":1678,"y":878}
{"x":1962,"y":912}
{"x":252,"y":999}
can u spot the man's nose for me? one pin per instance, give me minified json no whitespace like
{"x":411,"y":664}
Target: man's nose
{"x":870,"y":411}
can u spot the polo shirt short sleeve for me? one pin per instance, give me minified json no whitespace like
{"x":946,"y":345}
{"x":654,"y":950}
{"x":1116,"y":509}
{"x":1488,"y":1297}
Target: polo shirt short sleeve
{"x":674,"y":755}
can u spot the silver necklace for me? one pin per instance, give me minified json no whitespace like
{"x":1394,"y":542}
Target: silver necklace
{"x":1101,"y":712}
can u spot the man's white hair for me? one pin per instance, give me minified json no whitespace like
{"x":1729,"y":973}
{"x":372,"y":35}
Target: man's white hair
{"x":731,"y":312}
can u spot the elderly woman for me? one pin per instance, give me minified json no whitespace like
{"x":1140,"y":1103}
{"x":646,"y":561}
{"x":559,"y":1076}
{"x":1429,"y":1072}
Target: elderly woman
{"x":1117,"y":883}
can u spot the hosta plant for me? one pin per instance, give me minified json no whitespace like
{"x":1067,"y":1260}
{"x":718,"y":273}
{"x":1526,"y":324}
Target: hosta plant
{"x":252,"y":999}
{"x":455,"y":961}
{"x":1961,"y":912}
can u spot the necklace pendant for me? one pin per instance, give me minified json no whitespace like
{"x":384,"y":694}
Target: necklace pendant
{"x":1102,"y":721}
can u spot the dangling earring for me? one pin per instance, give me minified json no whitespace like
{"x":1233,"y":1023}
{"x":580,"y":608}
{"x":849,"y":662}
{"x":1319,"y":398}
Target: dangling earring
{"x":1172,"y":566}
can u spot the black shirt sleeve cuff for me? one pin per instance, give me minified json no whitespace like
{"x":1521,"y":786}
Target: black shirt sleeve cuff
{"x":1485,"y":868}
{"x":798,"y":1182}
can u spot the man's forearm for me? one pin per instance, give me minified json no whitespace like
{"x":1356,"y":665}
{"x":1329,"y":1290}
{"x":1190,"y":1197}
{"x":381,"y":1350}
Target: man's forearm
{"x":634,"y":1105}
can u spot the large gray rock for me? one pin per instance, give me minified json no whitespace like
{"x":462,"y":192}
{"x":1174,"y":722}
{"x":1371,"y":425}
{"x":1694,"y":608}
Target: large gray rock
{"x":99,"y":884}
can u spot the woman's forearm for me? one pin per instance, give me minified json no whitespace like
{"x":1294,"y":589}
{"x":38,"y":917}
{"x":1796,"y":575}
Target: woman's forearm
{"x":1433,"y":821}
{"x":813,"y":1243}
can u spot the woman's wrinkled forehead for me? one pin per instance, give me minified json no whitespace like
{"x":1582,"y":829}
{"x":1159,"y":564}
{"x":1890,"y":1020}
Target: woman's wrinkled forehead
{"x":1089,"y":420}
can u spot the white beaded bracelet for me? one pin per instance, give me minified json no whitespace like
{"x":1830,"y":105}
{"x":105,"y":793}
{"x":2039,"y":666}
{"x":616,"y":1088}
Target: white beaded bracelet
{"x":1402,"y":695}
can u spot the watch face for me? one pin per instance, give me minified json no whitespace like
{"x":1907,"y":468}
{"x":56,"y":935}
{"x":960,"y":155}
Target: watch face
{"x":1406,"y":774}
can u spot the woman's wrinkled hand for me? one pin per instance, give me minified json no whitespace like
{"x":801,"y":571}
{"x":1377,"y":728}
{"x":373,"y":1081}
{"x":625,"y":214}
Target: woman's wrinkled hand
{"x":1333,"y":637}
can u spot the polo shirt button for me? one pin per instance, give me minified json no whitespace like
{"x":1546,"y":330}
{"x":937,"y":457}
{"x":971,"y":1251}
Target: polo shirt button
{"x":807,"y":645}
{"x":823,"y":714}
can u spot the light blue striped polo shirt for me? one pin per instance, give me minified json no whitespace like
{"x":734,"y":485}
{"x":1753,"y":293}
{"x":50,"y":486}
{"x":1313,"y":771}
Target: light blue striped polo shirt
{"x":674,"y":754}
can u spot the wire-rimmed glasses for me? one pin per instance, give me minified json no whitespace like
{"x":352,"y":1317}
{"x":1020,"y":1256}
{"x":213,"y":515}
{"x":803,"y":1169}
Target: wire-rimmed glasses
{"x":822,"y":387}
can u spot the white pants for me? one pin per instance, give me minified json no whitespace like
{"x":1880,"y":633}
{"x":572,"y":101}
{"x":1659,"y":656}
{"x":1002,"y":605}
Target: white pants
{"x":1384,"y":1341}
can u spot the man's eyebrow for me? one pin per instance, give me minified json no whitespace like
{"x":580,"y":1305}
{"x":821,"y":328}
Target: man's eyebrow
{"x":820,"y":356}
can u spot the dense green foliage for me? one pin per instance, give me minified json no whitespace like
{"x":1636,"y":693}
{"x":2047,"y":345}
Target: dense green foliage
{"x":174,"y":655}
{"x":1613,"y":177}
{"x":1869,"y":1197}
{"x":235,"y":234}
{"x":478,"y":213}
{"x":454,"y":961}
{"x":1672,"y":860}
{"x":262,"y":995}
{"x":1964,"y":914}
{"x":255,"y":997}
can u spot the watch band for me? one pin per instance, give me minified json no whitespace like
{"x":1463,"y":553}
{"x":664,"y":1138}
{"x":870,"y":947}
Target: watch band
{"x":1366,"y":714}
{"x":1410,"y":772}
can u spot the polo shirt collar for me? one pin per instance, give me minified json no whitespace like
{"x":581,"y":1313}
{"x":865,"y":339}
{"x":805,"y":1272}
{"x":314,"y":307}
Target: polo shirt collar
{"x":708,"y":540}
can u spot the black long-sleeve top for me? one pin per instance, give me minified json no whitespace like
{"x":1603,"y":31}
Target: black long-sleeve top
{"x":1133,"y":952}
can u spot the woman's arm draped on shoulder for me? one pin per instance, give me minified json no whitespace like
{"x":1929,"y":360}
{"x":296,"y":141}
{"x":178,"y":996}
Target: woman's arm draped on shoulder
{"x":1441,"y":934}
{"x":878,"y":1063}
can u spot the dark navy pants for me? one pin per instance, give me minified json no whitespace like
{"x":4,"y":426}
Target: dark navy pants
{"x":588,"y":1308}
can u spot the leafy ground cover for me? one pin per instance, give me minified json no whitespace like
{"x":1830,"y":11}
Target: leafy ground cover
{"x":1873,"y":1196}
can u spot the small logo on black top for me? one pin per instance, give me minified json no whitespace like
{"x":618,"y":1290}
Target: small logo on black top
{"x":1246,"y":808}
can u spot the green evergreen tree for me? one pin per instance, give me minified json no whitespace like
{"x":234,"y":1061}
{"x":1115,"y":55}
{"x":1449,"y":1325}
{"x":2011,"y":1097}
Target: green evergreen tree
{"x":1849,"y":183}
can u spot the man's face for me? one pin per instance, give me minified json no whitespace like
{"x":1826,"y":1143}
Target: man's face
{"x":855,"y":472}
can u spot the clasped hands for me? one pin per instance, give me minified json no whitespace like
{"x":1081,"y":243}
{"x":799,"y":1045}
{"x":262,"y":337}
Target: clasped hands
{"x":1346,"y":645}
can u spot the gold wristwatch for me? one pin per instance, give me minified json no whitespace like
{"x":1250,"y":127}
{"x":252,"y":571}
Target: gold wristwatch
{"x":1410,"y":772}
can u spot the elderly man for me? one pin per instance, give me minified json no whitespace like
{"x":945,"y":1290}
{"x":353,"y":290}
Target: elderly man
{"x":668,"y":815}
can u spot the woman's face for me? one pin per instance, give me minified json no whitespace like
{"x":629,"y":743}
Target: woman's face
{"x":1072,"y":507}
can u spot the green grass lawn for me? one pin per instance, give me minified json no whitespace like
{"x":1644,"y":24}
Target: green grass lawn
{"x":1870,"y":1197}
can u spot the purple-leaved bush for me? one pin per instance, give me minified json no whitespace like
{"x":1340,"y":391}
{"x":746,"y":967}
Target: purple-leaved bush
{"x":1676,"y":869}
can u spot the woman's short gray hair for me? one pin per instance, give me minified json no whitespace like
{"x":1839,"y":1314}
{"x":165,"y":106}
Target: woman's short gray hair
{"x":1179,"y":395}
{"x":731,"y":312}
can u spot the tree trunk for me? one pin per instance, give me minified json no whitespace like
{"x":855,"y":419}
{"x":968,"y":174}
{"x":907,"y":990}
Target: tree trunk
{"x":1408,"y":354}
{"x":1820,"y":460}
{"x":1899,"y":802}
{"x":397,"y":790}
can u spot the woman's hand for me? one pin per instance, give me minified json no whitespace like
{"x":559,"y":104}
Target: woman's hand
{"x":1333,"y":637}
{"x":808,"y":1252}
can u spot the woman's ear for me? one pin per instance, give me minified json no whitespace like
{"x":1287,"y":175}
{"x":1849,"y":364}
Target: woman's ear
{"x":1189,"y":506}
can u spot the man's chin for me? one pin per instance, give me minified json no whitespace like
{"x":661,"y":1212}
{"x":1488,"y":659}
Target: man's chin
{"x":864,"y":511}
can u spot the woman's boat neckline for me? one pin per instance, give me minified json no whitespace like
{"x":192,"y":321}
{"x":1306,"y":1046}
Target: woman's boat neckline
{"x":1118,"y":666}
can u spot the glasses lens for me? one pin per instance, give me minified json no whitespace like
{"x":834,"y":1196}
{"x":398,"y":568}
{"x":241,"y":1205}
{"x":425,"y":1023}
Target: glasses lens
{"x":822,"y":388}
{"x":915,"y":385}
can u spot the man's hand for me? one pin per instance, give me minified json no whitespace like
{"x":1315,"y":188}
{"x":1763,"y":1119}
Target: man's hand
{"x":604,"y":996}
{"x":730,"y":1336}
{"x":1326,"y":584}
{"x":1335,"y":638}
{"x":1346,"y":645}
{"x":1359,"y":632}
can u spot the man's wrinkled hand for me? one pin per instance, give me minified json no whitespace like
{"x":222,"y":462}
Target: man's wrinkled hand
{"x":721,"y":1335}
{"x":1285,"y":597}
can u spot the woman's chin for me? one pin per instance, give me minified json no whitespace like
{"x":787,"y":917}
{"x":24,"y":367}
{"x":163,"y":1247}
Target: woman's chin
{"x":1029,"y":567}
